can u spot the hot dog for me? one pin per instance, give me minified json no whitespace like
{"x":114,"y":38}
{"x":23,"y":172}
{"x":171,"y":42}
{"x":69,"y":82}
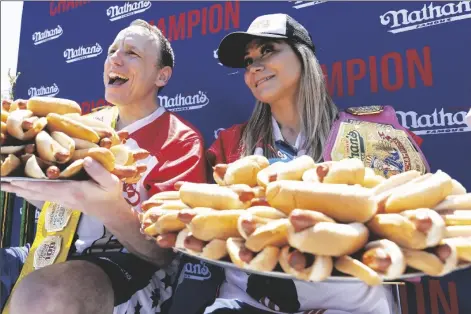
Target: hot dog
{"x":163,"y":204}
{"x":395,"y":181}
{"x":353,"y":267}
{"x":460,"y":201}
{"x":42,"y":106}
{"x":414,"y":229}
{"x":5,"y":115}
{"x":315,"y":233}
{"x":166,"y":196}
{"x":33,"y":170}
{"x":273,"y":233}
{"x":384,"y":257}
{"x":266,"y":260}
{"x":345,"y":171}
{"x":292,"y":170}
{"x":187,"y":215}
{"x":49,"y":149}
{"x":214,"y":196}
{"x":372,"y":179}
{"x":214,"y":249}
{"x":462,"y":245}
{"x":343,"y":203}
{"x":6,"y":150}
{"x":215,"y":225}
{"x":457,"y":231}
{"x":456,"y":217}
{"x":71,"y":127}
{"x":18,"y":104}
{"x":102,"y":129}
{"x":436,"y":261}
{"x":426,"y":193}
{"x":83,"y":144}
{"x":72,"y":169}
{"x":242,"y":171}
{"x":10,"y":164}
{"x":158,"y":221}
{"x":255,"y":217}
{"x":305,"y":266}
{"x":15,"y":125}
{"x":266,"y":175}
{"x":104,"y":156}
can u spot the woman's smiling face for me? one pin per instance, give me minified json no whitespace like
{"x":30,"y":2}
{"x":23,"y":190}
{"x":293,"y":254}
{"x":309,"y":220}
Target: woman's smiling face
{"x":273,"y":69}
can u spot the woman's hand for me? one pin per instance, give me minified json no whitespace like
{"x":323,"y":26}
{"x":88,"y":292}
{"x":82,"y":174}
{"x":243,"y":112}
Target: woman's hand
{"x":98,"y":197}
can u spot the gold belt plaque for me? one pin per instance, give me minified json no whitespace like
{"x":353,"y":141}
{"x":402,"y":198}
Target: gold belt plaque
{"x":47,"y":252}
{"x":57,"y":217}
{"x":380,"y":146}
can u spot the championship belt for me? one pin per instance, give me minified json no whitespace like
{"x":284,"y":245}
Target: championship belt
{"x":374,"y":135}
{"x":57,"y":224}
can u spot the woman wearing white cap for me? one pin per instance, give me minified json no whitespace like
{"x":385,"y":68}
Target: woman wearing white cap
{"x":293,"y":116}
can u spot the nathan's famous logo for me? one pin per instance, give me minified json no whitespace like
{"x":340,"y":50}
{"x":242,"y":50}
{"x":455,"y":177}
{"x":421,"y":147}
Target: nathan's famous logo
{"x":47,"y":35}
{"x":196,"y":271}
{"x":81,"y":53}
{"x":356,"y":145}
{"x":304,"y":4}
{"x":437,"y":122}
{"x":118,"y":12}
{"x":181,"y":103}
{"x":430,"y":15}
{"x":49,"y":91}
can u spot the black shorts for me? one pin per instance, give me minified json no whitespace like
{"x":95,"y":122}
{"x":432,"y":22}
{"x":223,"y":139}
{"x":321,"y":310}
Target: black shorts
{"x":128,"y":273}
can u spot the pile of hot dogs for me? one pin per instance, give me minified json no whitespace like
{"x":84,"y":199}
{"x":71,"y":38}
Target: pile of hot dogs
{"x":48,"y":138}
{"x":313,"y":219}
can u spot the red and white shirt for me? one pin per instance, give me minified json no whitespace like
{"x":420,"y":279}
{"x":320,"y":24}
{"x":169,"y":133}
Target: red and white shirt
{"x":176,"y":154}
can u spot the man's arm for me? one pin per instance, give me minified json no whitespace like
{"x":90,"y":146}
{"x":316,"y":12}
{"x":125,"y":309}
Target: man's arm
{"x":182,"y":162}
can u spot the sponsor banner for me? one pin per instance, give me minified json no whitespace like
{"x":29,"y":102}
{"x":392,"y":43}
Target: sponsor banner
{"x":182,"y":102}
{"x":440,"y":121}
{"x":117,"y":12}
{"x":82,"y":53}
{"x":50,"y":91}
{"x":305,"y":4}
{"x":47,"y":35}
{"x":431,"y":14}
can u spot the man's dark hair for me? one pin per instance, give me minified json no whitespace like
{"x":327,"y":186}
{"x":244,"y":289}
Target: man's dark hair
{"x":166,"y":57}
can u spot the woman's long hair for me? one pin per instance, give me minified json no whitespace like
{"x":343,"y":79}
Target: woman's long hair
{"x":316,"y":111}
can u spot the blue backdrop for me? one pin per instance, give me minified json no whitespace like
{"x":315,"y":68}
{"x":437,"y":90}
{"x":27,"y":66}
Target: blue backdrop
{"x":414,"y":56}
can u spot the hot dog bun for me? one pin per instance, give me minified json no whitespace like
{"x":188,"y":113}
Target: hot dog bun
{"x":163,"y":204}
{"x":50,"y":150}
{"x":72,"y":128}
{"x":265,"y":175}
{"x":456,"y":217}
{"x":313,"y":232}
{"x":42,"y":106}
{"x":104,"y":156}
{"x":215,"y":225}
{"x":214,"y":196}
{"x":71,"y":170}
{"x":461,"y":201}
{"x":242,"y":171}
{"x":415,"y":229}
{"x":371,"y":179}
{"x":426,"y":193}
{"x":438,"y":261}
{"x":457,"y":231}
{"x":395,"y":181}
{"x":291,"y":170}
{"x":166,"y":196}
{"x":266,"y":260}
{"x":15,"y":125}
{"x":158,"y":221}
{"x":356,"y":268}
{"x":385,"y":257}
{"x":320,"y":269}
{"x":33,"y":170}
{"x":462,"y":245}
{"x":345,"y":171}
{"x":273,"y":233}
{"x":255,"y":217}
{"x":10,"y":164}
{"x":344,"y":203}
{"x":214,"y":249}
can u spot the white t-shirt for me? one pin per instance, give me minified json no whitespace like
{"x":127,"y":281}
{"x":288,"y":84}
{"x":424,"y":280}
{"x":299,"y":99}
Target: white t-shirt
{"x":295,"y":296}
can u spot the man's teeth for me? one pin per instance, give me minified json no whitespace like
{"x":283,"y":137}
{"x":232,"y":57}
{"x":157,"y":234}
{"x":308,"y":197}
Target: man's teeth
{"x":116,"y":75}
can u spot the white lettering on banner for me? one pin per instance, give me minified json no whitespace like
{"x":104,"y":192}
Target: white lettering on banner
{"x":81,"y":53}
{"x":47,"y":35}
{"x":303,"y":4}
{"x":438,"y":122}
{"x":197,"y":271}
{"x":49,"y":91}
{"x":430,"y":15}
{"x":181,"y":103}
{"x":118,"y":12}
{"x":216,"y":132}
